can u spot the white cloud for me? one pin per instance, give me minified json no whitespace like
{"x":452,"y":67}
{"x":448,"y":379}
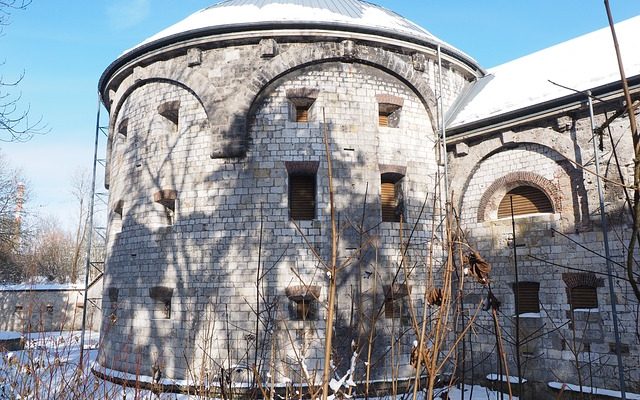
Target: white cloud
{"x":123,"y":14}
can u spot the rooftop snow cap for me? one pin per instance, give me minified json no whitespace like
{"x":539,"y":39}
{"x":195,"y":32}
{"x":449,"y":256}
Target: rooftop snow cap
{"x":341,"y":15}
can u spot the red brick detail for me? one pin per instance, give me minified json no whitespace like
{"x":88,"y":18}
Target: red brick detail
{"x":390,"y":99}
{"x":493,"y":195}
{"x":301,"y":167}
{"x":575,"y":279}
{"x":392,"y":169}
{"x":164,"y":195}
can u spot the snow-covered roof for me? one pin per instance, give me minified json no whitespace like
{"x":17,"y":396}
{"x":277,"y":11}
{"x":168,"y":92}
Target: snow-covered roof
{"x":583,"y":63}
{"x":20,"y":287}
{"x":272,"y":14}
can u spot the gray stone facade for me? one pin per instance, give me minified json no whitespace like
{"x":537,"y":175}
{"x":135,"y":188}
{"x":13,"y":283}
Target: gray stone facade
{"x":226,"y":153}
{"x":207,"y":272}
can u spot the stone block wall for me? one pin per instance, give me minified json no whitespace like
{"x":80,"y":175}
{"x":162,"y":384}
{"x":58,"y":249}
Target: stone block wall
{"x":553,"y":249}
{"x":25,"y":309}
{"x":229,"y":253}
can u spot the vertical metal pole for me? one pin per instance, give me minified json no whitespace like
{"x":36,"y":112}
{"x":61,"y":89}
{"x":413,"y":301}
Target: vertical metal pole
{"x":89,"y":239}
{"x":517,"y":295}
{"x":443,"y":130}
{"x":603,"y":219}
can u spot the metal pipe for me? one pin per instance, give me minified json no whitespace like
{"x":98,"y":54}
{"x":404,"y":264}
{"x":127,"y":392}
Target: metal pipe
{"x":605,"y":229}
{"x":443,"y":130}
{"x":89,"y":241}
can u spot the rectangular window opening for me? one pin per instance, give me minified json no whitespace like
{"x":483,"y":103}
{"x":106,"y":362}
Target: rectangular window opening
{"x":391,"y":198}
{"x":302,"y":196}
{"x":527,"y":297}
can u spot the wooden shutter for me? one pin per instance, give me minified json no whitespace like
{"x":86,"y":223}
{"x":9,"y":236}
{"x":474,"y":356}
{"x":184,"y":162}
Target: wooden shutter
{"x":583,"y":297}
{"x":528,"y":298}
{"x":302,"y":114}
{"x":392,"y":307}
{"x":302,"y":197}
{"x":383,"y":118}
{"x":388,"y":202}
{"x":526,"y":200}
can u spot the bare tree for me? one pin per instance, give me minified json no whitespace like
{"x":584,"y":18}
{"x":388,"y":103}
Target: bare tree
{"x":49,"y":252}
{"x":15,"y":125}
{"x":12,"y":196}
{"x":81,"y":190}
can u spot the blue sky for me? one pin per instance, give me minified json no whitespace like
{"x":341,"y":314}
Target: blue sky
{"x":64,"y":45}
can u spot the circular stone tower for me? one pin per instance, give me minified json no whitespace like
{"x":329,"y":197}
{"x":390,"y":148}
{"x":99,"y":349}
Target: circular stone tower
{"x":220,"y":230}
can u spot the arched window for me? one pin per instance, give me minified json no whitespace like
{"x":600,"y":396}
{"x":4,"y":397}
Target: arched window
{"x":526,"y":200}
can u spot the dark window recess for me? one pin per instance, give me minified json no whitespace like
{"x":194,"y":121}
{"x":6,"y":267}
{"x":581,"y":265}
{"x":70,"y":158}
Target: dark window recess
{"x":49,"y":308}
{"x":389,"y":115}
{"x":526,"y":200}
{"x":18,"y":308}
{"x":583,"y":297}
{"x":394,"y":300}
{"x":303,"y":309}
{"x":123,"y":128}
{"x":161,"y":296}
{"x":528,"y":300}
{"x":117,"y":216}
{"x":391,"y":198}
{"x":167,"y":198}
{"x":171,"y":111}
{"x":302,"y":113}
{"x":302,"y":197}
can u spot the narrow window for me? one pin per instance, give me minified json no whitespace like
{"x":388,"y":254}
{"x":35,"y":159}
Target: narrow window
{"x":167,"y":200}
{"x":301,"y":101}
{"x":389,"y":115}
{"x":302,"y":113}
{"x":116,"y":219}
{"x":583,"y":297}
{"x":303,"y":309}
{"x":526,"y":200}
{"x":161,"y":297}
{"x":527,"y":299}
{"x":302,"y":196}
{"x":391,"y":197}
{"x":123,"y":129}
{"x":170,"y":110}
{"x":303,"y":302}
{"x":389,"y":109}
{"x":394,"y":300}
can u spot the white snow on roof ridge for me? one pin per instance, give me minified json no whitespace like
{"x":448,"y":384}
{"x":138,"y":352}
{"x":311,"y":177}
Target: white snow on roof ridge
{"x":19,"y":287}
{"x":223,"y":15}
{"x":582,"y":63}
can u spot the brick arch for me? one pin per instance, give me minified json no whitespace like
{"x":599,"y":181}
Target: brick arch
{"x":468,"y":165}
{"x":378,"y":58}
{"x":575,"y":279}
{"x":499,"y":188}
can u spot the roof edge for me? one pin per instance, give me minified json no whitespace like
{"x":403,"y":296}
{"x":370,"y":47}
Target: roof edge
{"x":219,"y":30}
{"x":552,"y":106}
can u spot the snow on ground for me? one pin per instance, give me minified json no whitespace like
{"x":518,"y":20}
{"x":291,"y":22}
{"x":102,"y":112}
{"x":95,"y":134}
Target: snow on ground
{"x":48,"y":369}
{"x":474,"y":392}
{"x":593,"y":390}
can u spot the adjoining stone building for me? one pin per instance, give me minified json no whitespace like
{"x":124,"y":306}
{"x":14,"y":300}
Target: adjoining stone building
{"x":219,"y":195}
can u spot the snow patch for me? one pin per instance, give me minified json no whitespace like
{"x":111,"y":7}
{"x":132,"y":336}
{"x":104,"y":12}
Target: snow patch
{"x":530,"y":315}
{"x":593,"y":390}
{"x":503,"y":378}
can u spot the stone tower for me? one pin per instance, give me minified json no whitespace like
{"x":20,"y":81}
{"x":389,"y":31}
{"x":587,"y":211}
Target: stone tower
{"x":220,"y":228}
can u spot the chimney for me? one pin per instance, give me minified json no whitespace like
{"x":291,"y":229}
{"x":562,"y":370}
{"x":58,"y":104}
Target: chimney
{"x":19,"y":203}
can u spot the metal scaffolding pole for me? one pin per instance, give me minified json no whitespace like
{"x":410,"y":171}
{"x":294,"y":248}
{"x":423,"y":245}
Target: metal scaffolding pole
{"x":605,"y":228}
{"x":89,"y":239}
